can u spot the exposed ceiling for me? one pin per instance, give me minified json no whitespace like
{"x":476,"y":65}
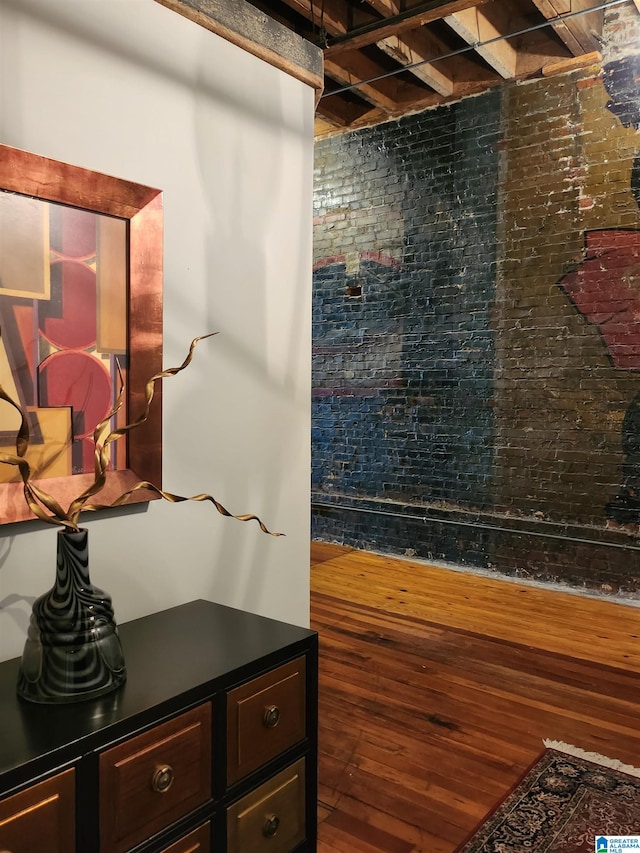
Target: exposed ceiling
{"x":386,"y":58}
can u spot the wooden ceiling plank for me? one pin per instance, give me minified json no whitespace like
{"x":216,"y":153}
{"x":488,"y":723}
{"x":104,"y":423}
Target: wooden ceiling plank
{"x":356,"y":68}
{"x":340,"y":113}
{"x":474,"y":26}
{"x":580,"y":34}
{"x":539,"y":53}
{"x":407,"y":52}
{"x":586,"y":60}
{"x":396,"y":27}
{"x":408,"y":102}
{"x":416,"y":46}
{"x":369,"y":119}
{"x":389,"y":7}
{"x":334,"y":16}
{"x":322,"y":128}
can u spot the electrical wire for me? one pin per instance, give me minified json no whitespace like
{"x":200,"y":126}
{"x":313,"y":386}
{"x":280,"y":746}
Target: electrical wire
{"x":471,"y":47}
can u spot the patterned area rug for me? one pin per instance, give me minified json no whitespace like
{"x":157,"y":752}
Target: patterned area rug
{"x":561,"y":804}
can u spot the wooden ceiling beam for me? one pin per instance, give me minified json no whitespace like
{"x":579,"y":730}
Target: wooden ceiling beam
{"x":337,"y":17}
{"x":418,"y":47}
{"x":367,"y":120}
{"x":415,"y":46}
{"x":340,"y":113}
{"x":353,"y":69}
{"x":580,"y":34}
{"x":407,"y":101}
{"x":387,"y":8}
{"x":505,"y":39}
{"x":586,"y":60}
{"x":475,"y":26}
{"x":383,"y":30}
{"x":322,"y":128}
{"x":334,"y":18}
{"x":540,"y":51}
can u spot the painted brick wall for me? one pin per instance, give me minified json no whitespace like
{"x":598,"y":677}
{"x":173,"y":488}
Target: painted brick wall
{"x":476,"y":332}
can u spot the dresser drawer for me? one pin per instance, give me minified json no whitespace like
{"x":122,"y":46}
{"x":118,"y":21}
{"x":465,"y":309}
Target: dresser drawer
{"x":153,"y":779}
{"x":43,"y":811}
{"x":271,"y":818}
{"x":265,"y":717}
{"x":198,"y":841}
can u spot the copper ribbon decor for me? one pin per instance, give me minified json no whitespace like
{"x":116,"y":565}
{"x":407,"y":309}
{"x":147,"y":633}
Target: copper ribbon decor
{"x":39,"y":501}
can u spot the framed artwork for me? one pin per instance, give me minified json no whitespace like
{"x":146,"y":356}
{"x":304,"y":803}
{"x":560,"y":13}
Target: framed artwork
{"x":80,"y":307}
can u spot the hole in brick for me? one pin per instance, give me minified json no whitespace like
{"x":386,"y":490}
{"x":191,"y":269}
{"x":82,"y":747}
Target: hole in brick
{"x":354,"y":290}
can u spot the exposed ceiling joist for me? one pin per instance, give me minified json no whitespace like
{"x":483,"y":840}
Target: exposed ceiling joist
{"x":418,"y":49}
{"x":357,"y":68}
{"x":580,"y":34}
{"x":489,"y":32}
{"x":384,"y":58}
{"x":414,"y":16}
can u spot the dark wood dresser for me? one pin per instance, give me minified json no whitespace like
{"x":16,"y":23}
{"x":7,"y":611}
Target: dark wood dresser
{"x":211,"y":745}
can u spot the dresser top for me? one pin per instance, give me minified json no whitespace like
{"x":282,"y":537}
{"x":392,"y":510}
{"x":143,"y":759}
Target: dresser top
{"x":174,"y":658}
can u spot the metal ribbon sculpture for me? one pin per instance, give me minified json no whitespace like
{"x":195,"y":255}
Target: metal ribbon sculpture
{"x":40,"y":501}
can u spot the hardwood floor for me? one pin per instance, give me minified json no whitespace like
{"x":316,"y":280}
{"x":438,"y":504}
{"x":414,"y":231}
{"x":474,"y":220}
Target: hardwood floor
{"x":437,"y":688}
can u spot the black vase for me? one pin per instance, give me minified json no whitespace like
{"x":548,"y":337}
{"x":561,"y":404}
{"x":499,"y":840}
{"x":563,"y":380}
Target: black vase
{"x":72,"y":651}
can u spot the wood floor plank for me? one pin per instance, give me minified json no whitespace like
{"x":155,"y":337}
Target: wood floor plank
{"x":437,"y":690}
{"x":413,"y":836}
{"x":374,"y":838}
{"x":321,"y":551}
{"x":557,"y":621}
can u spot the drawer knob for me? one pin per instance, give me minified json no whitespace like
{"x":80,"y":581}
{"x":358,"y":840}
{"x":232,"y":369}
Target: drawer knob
{"x":162,"y":778}
{"x":271,"y":716}
{"x":271,"y":826}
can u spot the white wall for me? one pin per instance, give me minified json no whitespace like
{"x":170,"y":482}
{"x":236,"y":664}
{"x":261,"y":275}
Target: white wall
{"x":131,"y":89}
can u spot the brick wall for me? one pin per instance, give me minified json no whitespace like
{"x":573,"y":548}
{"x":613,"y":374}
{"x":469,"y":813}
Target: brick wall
{"x":476,"y":347}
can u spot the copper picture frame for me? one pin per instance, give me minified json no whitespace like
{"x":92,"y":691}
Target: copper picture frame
{"x":137,"y":212}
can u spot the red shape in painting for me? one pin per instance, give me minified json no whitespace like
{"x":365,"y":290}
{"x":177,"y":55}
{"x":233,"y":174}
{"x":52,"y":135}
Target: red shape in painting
{"x":606,"y":289}
{"x":68,"y":320}
{"x":80,"y":382}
